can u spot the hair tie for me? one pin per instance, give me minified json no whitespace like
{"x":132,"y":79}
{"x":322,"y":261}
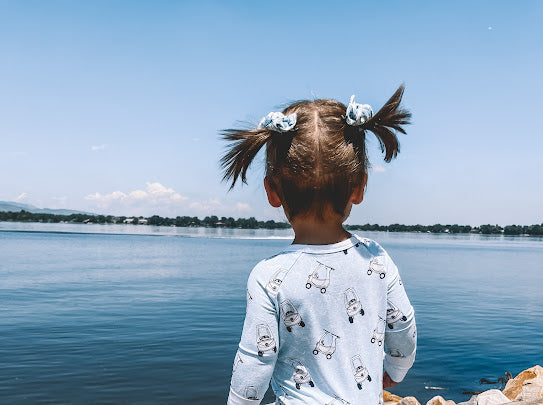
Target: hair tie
{"x":357,"y":114}
{"x":278,"y":122}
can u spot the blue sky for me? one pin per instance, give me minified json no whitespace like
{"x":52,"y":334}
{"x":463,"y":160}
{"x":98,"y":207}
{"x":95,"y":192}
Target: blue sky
{"x":115,"y":106}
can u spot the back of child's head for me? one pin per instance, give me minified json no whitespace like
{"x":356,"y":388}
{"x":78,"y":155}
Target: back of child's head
{"x":316,"y":151}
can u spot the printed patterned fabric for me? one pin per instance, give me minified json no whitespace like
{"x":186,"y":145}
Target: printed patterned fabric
{"x":320,"y":320}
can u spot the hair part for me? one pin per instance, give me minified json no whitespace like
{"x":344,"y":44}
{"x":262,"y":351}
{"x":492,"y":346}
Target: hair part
{"x":322,"y":160}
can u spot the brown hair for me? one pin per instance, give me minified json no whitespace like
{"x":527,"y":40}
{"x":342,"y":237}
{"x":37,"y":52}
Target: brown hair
{"x":322,"y":160}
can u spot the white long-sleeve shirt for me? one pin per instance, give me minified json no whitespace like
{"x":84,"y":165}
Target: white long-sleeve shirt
{"x":320,"y":321}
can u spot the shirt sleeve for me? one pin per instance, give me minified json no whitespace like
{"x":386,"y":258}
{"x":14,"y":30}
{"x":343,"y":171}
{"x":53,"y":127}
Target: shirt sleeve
{"x":401,"y":330}
{"x":258,"y":347}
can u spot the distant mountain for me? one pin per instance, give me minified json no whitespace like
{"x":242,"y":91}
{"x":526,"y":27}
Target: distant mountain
{"x":16,"y":207}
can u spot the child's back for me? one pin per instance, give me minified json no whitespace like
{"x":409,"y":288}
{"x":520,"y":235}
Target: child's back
{"x":321,"y":313}
{"x":317,"y":323}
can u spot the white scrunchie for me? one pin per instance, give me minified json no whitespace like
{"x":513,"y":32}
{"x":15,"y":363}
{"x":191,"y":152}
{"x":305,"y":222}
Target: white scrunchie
{"x":357,"y":114}
{"x":278,"y":122}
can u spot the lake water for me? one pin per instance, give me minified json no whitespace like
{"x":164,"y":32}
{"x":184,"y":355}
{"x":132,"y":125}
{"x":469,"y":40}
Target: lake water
{"x":127,"y":314}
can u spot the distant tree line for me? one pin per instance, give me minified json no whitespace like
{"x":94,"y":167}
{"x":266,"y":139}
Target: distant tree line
{"x":438,"y":228}
{"x":215,"y":222}
{"x":208,"y":222}
{"x":251,"y":223}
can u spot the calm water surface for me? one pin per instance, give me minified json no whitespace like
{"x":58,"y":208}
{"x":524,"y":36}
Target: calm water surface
{"x":139,"y":314}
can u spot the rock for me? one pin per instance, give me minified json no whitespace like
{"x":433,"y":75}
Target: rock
{"x":409,"y":401}
{"x":527,"y":386}
{"x":472,"y":401}
{"x":492,"y":397}
{"x":439,"y":400}
{"x":391,"y":398}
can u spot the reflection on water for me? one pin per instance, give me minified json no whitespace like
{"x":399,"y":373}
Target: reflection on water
{"x":102,"y":316}
{"x":125,"y":229}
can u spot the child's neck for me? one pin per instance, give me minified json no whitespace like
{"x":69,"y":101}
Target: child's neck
{"x":308,"y":231}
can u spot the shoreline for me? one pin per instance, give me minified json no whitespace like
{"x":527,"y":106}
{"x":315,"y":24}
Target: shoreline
{"x":214,"y":221}
{"x":525,"y":388}
{"x":227,"y":233}
{"x":395,"y":228}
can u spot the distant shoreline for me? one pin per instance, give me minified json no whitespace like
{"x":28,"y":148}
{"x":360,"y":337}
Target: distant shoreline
{"x":252,"y":223}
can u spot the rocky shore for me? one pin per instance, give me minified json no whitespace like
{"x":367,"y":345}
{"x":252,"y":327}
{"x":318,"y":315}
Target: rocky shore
{"x":525,"y":389}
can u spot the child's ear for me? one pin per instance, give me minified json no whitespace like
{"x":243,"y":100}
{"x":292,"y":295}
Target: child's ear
{"x":273,"y":198}
{"x":358,"y":193}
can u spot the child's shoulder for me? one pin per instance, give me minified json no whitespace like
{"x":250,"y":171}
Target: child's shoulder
{"x":372,"y":246}
{"x":376,"y":250}
{"x":274,"y":267}
{"x":381,"y":255}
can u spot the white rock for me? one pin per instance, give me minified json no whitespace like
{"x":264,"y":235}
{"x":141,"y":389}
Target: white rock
{"x":439,"y":400}
{"x":492,"y":397}
{"x":472,"y":401}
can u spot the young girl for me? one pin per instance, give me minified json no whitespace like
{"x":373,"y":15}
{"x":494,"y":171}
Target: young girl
{"x":326,"y":315}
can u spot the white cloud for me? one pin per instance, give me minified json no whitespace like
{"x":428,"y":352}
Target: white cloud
{"x":243,"y":207}
{"x":155,"y":198}
{"x":490,"y":28}
{"x":105,"y":199}
{"x":159,"y":192}
{"x":98,"y":147}
{"x":21,"y":197}
{"x":138,"y":195}
{"x":207,"y":206}
{"x":161,"y":200}
{"x":378,"y":169}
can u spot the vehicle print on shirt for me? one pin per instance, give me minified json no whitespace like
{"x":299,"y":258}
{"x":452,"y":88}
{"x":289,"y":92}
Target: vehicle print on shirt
{"x":326,"y":344}
{"x":237,"y":361}
{"x":264,"y":339}
{"x":275,"y":282}
{"x":360,"y":371}
{"x":394,"y":315}
{"x":379,"y":332}
{"x":346,"y":251}
{"x":338,"y":401}
{"x":319,"y":277}
{"x":395,"y":353}
{"x":300,"y":374}
{"x":251,"y":392}
{"x":352,"y":304}
{"x":291,"y":316}
{"x":377,"y":266}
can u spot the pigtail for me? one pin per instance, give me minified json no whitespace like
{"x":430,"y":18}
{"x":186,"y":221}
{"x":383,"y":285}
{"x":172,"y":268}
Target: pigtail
{"x":388,"y":119}
{"x":240,"y":154}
